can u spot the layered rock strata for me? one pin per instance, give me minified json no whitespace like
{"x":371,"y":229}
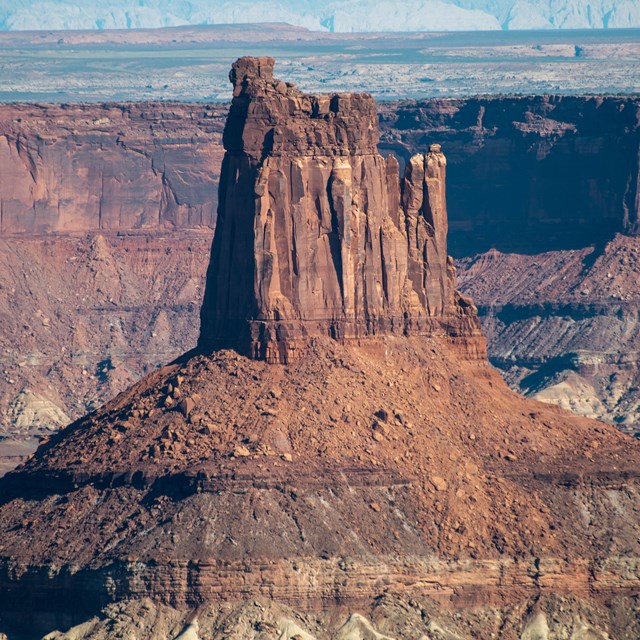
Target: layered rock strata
{"x":524,"y":174}
{"x":395,"y":468}
{"x":562,"y":326}
{"x":82,"y":318}
{"x":316,"y":233}
{"x":529,"y":174}
{"x":367,"y":473}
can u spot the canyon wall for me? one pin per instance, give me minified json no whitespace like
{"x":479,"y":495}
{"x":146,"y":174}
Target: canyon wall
{"x":525,"y":174}
{"x":529,"y":174}
{"x":75,"y":168}
{"x":562,"y":326}
{"x":83,"y":317}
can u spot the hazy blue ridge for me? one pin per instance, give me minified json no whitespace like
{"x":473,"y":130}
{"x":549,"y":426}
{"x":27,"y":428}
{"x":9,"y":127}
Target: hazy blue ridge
{"x":336,"y":15}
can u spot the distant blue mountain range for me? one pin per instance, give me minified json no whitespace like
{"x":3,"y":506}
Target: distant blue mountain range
{"x":332,"y":15}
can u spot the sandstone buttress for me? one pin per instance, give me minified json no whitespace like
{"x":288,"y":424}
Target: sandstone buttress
{"x":316,"y":233}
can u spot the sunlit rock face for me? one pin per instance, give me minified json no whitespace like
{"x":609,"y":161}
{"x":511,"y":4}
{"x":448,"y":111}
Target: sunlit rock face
{"x":317,"y":235}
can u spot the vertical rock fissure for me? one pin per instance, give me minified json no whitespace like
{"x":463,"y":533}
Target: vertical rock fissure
{"x":385,"y":281}
{"x":336,"y":207}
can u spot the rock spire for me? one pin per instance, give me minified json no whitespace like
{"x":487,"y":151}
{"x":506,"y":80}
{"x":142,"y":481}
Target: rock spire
{"x":317,"y":235}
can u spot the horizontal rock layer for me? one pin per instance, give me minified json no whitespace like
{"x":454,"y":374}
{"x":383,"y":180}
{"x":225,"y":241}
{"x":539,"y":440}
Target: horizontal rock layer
{"x":563,"y":325}
{"x":318,"y":585}
{"x":525,"y":174}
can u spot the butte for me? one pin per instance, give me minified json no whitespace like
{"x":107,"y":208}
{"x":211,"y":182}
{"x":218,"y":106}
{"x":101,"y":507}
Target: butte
{"x":336,"y":459}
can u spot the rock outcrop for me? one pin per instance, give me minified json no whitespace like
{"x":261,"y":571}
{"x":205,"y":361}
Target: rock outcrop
{"x":562,"y":326}
{"x":381,"y":475}
{"x":316,"y":234}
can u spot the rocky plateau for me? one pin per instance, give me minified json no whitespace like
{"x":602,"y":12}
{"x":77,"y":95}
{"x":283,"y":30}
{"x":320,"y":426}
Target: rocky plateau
{"x":336,"y":458}
{"x":191,"y":63}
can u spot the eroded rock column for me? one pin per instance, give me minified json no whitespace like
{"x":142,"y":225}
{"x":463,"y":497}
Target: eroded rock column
{"x":317,"y":235}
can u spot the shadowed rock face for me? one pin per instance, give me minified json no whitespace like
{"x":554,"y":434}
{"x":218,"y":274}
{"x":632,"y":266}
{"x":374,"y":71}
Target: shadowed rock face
{"x":316,"y":234}
{"x":528,"y":174}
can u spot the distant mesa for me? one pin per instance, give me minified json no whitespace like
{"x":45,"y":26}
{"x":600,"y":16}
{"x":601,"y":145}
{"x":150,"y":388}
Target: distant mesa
{"x":338,"y":15}
{"x":317,"y":234}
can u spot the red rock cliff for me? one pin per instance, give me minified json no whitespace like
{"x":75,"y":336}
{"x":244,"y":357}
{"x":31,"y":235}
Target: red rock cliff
{"x":316,"y":233}
{"x":525,"y":174}
{"x":529,"y":174}
{"x":76,"y":168}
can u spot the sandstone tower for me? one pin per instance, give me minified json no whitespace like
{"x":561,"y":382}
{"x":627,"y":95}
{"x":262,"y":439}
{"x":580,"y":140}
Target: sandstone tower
{"x":317,"y":235}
